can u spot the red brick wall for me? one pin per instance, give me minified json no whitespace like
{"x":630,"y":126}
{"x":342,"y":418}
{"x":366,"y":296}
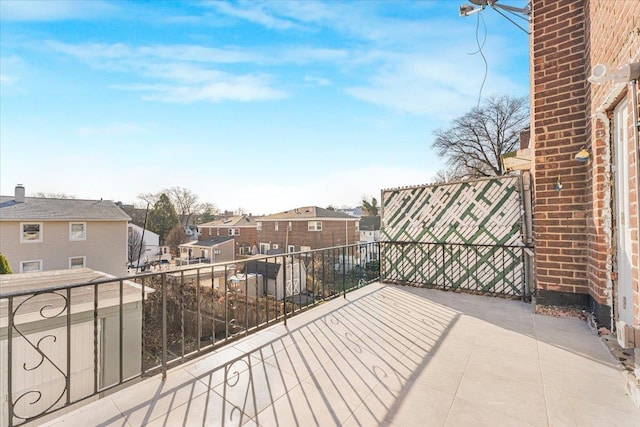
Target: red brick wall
{"x":574,"y":228}
{"x":248,"y":235}
{"x":613,"y":31}
{"x":333,"y":234}
{"x":558,"y":124}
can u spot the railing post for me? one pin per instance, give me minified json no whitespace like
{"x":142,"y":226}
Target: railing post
{"x":164,"y":326}
{"x":121,"y":332}
{"x":344,"y":273}
{"x":68,"y":378}
{"x":284,"y":288}
{"x":380,"y":261}
{"x":10,"y":361}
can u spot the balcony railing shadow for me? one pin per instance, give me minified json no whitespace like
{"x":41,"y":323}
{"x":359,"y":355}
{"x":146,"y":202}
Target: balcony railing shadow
{"x":362,"y":356}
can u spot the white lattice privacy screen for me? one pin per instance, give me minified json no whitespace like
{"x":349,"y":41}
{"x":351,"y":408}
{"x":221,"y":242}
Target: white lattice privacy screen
{"x":460,"y":235}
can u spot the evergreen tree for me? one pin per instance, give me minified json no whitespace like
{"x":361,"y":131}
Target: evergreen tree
{"x":163,"y":217}
{"x":4,"y":265}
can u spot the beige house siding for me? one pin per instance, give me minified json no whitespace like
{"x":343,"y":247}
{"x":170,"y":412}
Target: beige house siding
{"x":105,"y":246}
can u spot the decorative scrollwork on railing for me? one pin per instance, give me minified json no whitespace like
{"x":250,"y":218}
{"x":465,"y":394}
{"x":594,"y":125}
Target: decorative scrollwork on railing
{"x":37,"y":395}
{"x":232,"y":372}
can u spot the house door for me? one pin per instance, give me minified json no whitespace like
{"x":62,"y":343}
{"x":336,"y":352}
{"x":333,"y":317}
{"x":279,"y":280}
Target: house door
{"x":624,"y":299}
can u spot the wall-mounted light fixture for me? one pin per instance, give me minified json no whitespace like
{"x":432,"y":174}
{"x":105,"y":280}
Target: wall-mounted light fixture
{"x":583,"y":156}
{"x":601,"y":73}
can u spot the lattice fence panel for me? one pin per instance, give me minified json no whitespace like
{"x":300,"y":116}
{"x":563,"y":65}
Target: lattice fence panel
{"x":468,"y":234}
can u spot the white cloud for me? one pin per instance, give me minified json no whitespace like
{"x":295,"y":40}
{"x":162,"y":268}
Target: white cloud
{"x":252,"y":12}
{"x":53,"y":10}
{"x":320,"y":81}
{"x":244,"y":89}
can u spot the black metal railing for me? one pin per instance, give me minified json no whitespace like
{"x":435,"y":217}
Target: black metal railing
{"x":486,"y":269}
{"x":65,"y":344}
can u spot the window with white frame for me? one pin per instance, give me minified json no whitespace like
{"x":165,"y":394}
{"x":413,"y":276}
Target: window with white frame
{"x":291,"y":248}
{"x":305,"y":248}
{"x":31,"y":232}
{"x":29,"y":266}
{"x":77,"y":262}
{"x":234,"y":232}
{"x":264,"y":248}
{"x":77,"y":231}
{"x":275,"y":226}
{"x":289,"y":226}
{"x":259,"y":225}
{"x":314,"y":226}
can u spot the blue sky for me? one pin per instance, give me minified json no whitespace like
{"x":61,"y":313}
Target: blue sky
{"x":260,"y":105}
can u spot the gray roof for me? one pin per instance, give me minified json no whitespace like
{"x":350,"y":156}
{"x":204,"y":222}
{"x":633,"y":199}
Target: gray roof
{"x":308,"y":212}
{"x":209,"y":242}
{"x":232,"y":221}
{"x":45,"y":209}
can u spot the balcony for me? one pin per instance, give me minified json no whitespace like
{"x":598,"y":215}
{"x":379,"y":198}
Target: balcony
{"x":381,"y":354}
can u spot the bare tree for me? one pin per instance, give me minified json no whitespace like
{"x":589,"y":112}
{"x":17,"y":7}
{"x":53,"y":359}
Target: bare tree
{"x":448,"y":175}
{"x":175,"y":238}
{"x":136,"y":245}
{"x":474,"y":142}
{"x":185,"y":202}
{"x":370,"y":206}
{"x":149,"y":198}
{"x":208,"y":212}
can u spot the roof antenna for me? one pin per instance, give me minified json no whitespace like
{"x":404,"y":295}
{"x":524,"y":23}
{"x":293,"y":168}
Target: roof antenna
{"x":479,"y":5}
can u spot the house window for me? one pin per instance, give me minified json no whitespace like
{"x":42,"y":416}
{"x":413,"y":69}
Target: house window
{"x":357,"y":226}
{"x":258,"y":225}
{"x":245,"y":250}
{"x":234,"y":232}
{"x":275,"y":226}
{"x":77,"y":231}
{"x":291,"y":248}
{"x":31,"y":232}
{"x":305,"y":248}
{"x":78,"y":262}
{"x":264,"y":248}
{"x":289,"y":226}
{"x":29,"y":266}
{"x":315,"y":226}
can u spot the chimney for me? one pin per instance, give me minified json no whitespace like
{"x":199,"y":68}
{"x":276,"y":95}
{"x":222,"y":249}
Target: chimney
{"x":19,"y":193}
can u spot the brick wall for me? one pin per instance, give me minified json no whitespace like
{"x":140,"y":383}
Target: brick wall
{"x":248,"y":235}
{"x":558,"y":124}
{"x":574,"y":227}
{"x":613,"y":31}
{"x":334,"y":233}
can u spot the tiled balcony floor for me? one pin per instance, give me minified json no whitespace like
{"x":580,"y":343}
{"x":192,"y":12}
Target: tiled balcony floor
{"x":389,"y":355}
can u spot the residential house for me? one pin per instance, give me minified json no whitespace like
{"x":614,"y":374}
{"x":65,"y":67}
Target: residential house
{"x":38,"y":234}
{"x":369,"y":232}
{"x":214,"y":249}
{"x":241,"y":227}
{"x":306,"y":228}
{"x":151,"y":250}
{"x":585,"y":65}
{"x":369,"y":229}
{"x":38,"y":318}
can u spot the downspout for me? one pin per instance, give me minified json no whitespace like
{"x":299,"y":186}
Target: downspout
{"x":525,"y":182}
{"x":636,"y":143}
